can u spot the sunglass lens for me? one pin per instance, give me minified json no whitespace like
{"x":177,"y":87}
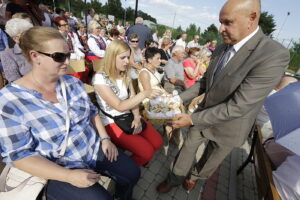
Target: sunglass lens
{"x":61,"y":57}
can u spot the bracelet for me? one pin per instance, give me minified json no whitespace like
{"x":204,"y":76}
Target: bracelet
{"x":105,"y":138}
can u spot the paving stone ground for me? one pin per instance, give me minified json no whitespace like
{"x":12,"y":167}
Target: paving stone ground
{"x":225,"y":184}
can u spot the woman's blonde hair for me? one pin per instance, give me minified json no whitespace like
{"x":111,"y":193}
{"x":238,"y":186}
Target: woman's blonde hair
{"x":35,"y":38}
{"x":115,"y":48}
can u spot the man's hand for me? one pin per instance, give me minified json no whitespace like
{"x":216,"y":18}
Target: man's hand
{"x":181,"y":120}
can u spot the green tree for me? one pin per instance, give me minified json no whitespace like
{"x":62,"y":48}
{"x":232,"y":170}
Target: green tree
{"x":267,"y":23}
{"x":211,"y":33}
{"x":191,"y":31}
{"x":295,"y":57}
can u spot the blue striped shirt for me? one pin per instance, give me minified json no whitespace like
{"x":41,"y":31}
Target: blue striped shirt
{"x":32,"y":126}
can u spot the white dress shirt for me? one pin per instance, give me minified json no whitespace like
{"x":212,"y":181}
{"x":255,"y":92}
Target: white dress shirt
{"x":180,"y":42}
{"x":192,"y":44}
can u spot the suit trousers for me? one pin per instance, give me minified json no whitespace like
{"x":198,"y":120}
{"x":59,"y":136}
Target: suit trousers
{"x":185,"y":163}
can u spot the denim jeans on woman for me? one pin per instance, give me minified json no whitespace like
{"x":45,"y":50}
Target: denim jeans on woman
{"x":124,"y":172}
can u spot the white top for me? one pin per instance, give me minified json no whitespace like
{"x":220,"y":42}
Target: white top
{"x":92,"y":44}
{"x":119,"y":89}
{"x":180,"y":42}
{"x":120,"y":27}
{"x":78,"y":54}
{"x":287,"y":179}
{"x":192,"y":44}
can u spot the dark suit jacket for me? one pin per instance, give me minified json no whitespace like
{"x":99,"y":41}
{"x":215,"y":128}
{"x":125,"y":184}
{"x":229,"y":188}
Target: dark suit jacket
{"x":234,"y":98}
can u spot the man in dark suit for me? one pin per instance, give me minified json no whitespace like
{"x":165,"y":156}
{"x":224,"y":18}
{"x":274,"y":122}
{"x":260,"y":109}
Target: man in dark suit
{"x":242,"y":72}
{"x":141,"y":30}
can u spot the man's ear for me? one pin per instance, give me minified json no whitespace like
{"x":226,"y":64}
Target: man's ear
{"x":253,"y":16}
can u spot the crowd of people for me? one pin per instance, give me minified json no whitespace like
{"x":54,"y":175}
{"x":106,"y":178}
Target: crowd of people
{"x":39,"y":100}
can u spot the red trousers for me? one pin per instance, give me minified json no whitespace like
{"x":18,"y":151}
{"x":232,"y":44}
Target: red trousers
{"x":142,"y":145}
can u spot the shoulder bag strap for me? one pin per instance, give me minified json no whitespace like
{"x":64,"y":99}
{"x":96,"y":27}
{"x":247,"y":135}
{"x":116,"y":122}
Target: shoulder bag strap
{"x":108,"y":115}
{"x":65,"y":142}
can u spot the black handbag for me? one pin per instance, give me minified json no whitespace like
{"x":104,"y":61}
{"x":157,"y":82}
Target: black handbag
{"x":124,"y":121}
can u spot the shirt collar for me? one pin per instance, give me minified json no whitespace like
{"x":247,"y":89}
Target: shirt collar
{"x":241,"y":43}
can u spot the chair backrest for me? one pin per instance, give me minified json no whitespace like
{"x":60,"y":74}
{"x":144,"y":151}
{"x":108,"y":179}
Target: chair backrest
{"x":76,"y":66}
{"x":97,"y":64}
{"x":263,"y":171}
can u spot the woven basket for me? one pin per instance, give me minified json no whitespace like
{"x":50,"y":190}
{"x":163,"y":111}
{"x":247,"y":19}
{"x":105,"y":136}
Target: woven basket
{"x":158,"y":121}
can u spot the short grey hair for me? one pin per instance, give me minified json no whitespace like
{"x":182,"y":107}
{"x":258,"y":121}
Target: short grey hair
{"x":17,"y":26}
{"x":139,"y":20}
{"x":93,"y":24}
{"x":177,"y":48}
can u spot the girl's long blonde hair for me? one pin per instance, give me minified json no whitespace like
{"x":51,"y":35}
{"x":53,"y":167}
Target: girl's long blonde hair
{"x":116,"y":47}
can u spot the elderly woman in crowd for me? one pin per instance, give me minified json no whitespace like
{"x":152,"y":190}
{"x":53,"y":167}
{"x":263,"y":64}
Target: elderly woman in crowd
{"x":136,"y":59}
{"x":204,"y":59}
{"x":72,"y":39}
{"x":116,"y":96}
{"x":192,"y":67}
{"x":33,"y":133}
{"x":14,"y":63}
{"x":81,"y":33}
{"x":75,"y":47}
{"x":97,"y":43}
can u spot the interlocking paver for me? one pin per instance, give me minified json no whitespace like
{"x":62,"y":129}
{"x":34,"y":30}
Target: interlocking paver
{"x":159,"y":168}
{"x":138,"y":192}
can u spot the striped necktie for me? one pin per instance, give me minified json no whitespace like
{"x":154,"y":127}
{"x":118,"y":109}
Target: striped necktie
{"x":223,"y":61}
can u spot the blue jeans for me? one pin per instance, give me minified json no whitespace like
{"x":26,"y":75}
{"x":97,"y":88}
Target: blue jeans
{"x":124,"y":172}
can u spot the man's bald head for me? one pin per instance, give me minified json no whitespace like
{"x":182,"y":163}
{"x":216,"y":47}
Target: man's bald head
{"x":245,"y":7}
{"x":238,"y":19}
{"x":285,"y":81}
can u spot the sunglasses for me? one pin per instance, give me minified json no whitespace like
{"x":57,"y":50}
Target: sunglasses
{"x":57,"y":56}
{"x":134,"y":41}
{"x":64,"y":25}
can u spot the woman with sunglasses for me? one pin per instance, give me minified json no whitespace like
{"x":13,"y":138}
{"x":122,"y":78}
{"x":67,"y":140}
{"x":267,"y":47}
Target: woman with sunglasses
{"x":116,"y":96}
{"x":34,"y":114}
{"x":14,"y":63}
{"x":136,"y":59}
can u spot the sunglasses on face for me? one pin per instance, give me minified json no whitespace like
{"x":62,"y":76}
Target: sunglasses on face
{"x":134,"y":41}
{"x":64,"y":25}
{"x":57,"y":56}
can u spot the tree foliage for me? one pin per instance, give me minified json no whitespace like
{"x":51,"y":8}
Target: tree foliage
{"x":112,"y":7}
{"x":211,"y":33}
{"x":295,"y":57}
{"x":267,"y":23}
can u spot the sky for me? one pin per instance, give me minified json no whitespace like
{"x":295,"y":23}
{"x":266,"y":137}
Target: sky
{"x":203,"y":13}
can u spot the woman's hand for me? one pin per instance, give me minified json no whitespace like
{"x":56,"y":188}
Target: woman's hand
{"x":152,"y":93}
{"x":109,"y":150}
{"x":82,"y":178}
{"x":137,"y":125}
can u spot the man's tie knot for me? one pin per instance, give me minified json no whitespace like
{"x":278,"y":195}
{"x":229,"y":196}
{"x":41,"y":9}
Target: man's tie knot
{"x":223,"y":61}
